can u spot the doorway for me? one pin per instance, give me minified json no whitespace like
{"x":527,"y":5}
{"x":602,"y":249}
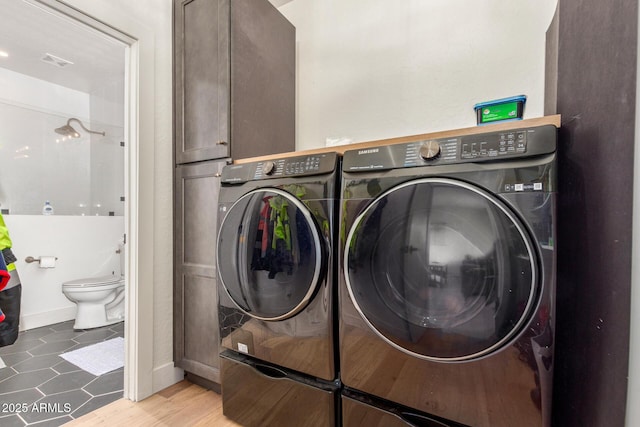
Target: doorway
{"x":62,"y":21}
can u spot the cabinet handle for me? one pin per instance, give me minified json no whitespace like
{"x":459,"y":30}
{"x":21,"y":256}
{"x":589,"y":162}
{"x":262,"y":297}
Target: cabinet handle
{"x":270,"y":371}
{"x":217,"y":174}
{"x":221,"y":143}
{"x":417,"y":419}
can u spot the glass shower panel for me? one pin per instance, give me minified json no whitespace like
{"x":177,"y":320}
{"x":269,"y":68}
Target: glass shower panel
{"x":37,"y":164}
{"x":107,"y":172}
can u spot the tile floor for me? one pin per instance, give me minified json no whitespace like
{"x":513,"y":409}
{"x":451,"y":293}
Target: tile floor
{"x":39,"y":388}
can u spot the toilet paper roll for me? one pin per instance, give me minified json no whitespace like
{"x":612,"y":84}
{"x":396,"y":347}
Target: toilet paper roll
{"x":47,"y":261}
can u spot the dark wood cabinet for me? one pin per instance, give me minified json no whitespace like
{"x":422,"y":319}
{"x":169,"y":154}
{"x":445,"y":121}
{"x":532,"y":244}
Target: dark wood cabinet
{"x":234,"y":97}
{"x":234,"y":80}
{"x":263,"y":68}
{"x":201,"y":79}
{"x":196,"y":333}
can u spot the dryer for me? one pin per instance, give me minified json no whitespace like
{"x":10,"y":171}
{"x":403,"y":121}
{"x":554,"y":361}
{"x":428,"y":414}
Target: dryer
{"x":447,"y":292}
{"x":277,"y":290}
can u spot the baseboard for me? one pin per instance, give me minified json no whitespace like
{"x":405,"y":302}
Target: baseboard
{"x":38,"y":320}
{"x":165,"y":376}
{"x":203,"y":382}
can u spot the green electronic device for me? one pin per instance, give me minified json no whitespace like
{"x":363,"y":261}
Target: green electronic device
{"x":500,"y":110}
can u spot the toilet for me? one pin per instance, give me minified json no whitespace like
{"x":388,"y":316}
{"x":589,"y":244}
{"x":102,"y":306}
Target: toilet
{"x":99,"y":300}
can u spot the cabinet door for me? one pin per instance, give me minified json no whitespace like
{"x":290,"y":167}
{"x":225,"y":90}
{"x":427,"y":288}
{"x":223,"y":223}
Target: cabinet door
{"x":201,"y":79}
{"x":196,"y":331}
{"x":263,"y":80}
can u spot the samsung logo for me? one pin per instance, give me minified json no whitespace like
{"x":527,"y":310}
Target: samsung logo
{"x":368,"y":151}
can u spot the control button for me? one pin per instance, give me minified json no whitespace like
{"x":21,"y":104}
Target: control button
{"x":269,"y":168}
{"x":430,"y":150}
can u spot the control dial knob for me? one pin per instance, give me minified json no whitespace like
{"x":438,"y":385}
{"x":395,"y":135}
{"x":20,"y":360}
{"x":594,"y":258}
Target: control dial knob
{"x":430,"y":150}
{"x":269,"y":167}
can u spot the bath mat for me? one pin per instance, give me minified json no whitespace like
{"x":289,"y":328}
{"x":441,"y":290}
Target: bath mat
{"x":100,"y":358}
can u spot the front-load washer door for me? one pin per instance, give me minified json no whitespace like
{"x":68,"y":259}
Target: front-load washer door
{"x":441,"y":269}
{"x":270,"y":254}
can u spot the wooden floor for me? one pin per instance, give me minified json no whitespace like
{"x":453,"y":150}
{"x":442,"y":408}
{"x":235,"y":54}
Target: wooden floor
{"x":182,"y":404}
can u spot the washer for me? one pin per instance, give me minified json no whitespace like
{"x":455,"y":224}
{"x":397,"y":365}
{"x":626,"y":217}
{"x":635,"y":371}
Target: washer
{"x":277,"y":289}
{"x":448,"y":277}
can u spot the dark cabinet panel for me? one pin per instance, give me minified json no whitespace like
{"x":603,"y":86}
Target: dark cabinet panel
{"x":196,"y":332}
{"x":201,"y":79}
{"x":234,"y":96}
{"x":263,"y":68}
{"x":234,"y":80}
{"x":591,"y":82}
{"x":200,"y":327}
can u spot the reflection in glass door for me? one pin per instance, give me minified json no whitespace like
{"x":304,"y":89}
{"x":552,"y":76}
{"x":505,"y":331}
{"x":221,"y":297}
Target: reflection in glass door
{"x":273,"y":256}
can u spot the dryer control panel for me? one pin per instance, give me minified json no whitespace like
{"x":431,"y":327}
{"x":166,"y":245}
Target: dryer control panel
{"x":484,"y":147}
{"x":505,"y":144}
{"x":313,"y":164}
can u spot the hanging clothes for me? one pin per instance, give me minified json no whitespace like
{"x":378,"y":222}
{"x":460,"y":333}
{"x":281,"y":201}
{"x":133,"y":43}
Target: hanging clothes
{"x":281,"y":257}
{"x":259,"y":260}
{"x":303,"y":251}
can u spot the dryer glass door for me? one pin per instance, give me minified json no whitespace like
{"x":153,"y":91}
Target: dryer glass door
{"x":441,"y":269}
{"x":270,"y":254}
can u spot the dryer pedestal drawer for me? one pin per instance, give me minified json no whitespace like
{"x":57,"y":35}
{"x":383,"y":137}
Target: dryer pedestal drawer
{"x":261,"y":395}
{"x":360,"y":410}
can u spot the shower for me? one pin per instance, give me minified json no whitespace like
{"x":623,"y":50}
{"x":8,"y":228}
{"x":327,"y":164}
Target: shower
{"x":69,"y":132}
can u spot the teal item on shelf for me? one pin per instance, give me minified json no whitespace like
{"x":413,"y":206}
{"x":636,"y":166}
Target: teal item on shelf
{"x":500,"y":110}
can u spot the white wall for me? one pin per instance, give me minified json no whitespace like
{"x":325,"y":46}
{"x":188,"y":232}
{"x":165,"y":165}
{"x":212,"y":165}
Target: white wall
{"x":19,"y":89}
{"x":84,"y":246}
{"x":374,"y":69}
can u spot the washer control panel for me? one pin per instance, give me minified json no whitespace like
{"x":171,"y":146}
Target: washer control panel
{"x":484,"y":147}
{"x":427,"y":152}
{"x":504,"y":144}
{"x":315,"y":164}
{"x":430,"y":150}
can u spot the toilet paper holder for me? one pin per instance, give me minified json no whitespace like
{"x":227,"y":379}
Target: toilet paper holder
{"x":31,"y":259}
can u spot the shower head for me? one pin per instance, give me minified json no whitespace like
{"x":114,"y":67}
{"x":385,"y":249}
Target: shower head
{"x":68,"y":130}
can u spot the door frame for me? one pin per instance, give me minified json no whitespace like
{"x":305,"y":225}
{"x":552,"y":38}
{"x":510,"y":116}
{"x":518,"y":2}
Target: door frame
{"x":139,"y":47}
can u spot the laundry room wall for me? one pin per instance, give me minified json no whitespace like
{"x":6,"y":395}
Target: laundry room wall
{"x":374,"y":69}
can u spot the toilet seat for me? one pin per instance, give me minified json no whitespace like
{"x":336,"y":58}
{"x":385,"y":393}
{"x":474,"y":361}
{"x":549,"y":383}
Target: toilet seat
{"x":91,"y":282}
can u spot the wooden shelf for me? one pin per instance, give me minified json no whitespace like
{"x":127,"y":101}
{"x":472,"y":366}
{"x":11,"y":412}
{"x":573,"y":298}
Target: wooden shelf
{"x":541,"y":121}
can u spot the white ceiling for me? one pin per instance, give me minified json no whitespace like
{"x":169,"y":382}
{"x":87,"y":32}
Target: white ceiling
{"x":29,"y":32}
